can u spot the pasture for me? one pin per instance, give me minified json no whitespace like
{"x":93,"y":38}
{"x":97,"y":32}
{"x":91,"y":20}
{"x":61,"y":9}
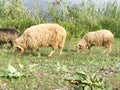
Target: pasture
{"x":46,"y":73}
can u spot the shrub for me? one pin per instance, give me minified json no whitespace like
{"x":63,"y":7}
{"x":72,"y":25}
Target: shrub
{"x":77,"y":19}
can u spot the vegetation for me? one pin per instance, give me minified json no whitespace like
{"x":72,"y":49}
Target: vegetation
{"x":76,"y":19}
{"x":33,"y":73}
{"x":87,"y":82}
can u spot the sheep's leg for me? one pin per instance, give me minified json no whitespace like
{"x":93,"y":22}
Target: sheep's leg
{"x":38,"y":53}
{"x":60,"y":50}
{"x":51,"y":53}
{"x":60,"y":46}
{"x":53,"y":50}
{"x":108,"y":48}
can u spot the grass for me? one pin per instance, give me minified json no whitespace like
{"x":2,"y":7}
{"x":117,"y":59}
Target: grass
{"x":46,"y":73}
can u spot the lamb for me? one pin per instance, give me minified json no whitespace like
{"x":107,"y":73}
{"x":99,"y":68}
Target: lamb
{"x":8,"y":35}
{"x":42,"y":35}
{"x":96,"y":38}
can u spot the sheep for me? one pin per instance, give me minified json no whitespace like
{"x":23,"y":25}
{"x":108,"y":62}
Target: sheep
{"x":42,"y":35}
{"x":8,"y":35}
{"x":103,"y":38}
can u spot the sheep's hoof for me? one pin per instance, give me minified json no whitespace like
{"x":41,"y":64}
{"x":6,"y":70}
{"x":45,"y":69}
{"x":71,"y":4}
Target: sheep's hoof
{"x":38,"y":56}
{"x":49,"y":55}
{"x":30,"y":55}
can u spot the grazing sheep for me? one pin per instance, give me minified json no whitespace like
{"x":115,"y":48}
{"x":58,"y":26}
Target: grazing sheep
{"x":8,"y":35}
{"x":42,"y":35}
{"x":97,"y":38}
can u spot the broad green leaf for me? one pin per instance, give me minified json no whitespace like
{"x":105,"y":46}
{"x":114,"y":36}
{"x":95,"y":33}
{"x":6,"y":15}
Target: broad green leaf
{"x":81,"y":74}
{"x":87,"y":88}
{"x":11,"y":69}
{"x":16,"y":74}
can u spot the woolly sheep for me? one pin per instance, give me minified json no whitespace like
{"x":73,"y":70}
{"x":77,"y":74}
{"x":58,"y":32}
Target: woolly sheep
{"x":96,"y":38}
{"x":42,"y":35}
{"x":8,"y":35}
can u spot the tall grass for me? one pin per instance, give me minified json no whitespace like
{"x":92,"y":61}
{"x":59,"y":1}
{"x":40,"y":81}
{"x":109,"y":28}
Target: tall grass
{"x":77,"y":20}
{"x":14,"y":15}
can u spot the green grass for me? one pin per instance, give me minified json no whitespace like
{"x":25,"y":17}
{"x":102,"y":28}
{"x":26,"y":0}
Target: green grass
{"x":50,"y":73}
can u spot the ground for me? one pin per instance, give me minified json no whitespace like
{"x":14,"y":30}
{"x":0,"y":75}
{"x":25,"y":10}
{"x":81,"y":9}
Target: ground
{"x":49,"y":73}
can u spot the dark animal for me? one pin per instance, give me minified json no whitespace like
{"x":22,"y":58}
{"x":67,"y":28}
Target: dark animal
{"x":8,"y":35}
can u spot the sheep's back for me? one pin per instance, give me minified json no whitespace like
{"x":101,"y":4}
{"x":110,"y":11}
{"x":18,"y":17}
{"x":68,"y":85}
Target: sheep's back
{"x":37,"y":38}
{"x":106,"y":35}
{"x":45,"y":34}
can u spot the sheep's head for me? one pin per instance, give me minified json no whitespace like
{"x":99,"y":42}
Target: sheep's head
{"x":81,"y":45}
{"x":20,"y":45}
